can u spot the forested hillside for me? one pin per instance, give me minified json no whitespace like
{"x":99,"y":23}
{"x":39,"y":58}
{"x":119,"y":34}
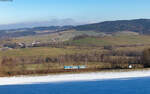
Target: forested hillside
{"x":139,"y":25}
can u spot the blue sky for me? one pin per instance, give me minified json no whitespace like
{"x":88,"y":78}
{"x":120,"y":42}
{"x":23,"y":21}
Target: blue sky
{"x":79,"y":10}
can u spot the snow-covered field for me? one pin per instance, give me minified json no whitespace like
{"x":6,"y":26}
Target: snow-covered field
{"x":72,"y":77}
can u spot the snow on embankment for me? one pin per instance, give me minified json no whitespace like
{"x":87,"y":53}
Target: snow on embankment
{"x":72,"y":77}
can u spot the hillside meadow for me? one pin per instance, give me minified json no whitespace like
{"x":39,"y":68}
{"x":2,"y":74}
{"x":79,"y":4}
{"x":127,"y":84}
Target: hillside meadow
{"x":113,"y":40}
{"x":95,"y":52}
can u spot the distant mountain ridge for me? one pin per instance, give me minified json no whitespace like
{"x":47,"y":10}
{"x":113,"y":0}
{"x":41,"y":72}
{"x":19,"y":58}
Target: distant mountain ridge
{"x":141,"y":26}
{"x":137,"y":25}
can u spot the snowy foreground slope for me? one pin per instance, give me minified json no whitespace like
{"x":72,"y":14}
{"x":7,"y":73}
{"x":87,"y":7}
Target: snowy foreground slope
{"x":72,"y":77}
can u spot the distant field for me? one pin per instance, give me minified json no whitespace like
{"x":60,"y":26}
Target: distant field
{"x":99,"y":39}
{"x":62,"y":36}
{"x":113,"y":40}
{"x":42,"y":51}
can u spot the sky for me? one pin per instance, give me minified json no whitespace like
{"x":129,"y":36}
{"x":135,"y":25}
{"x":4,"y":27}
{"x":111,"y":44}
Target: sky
{"x":87,"y":11}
